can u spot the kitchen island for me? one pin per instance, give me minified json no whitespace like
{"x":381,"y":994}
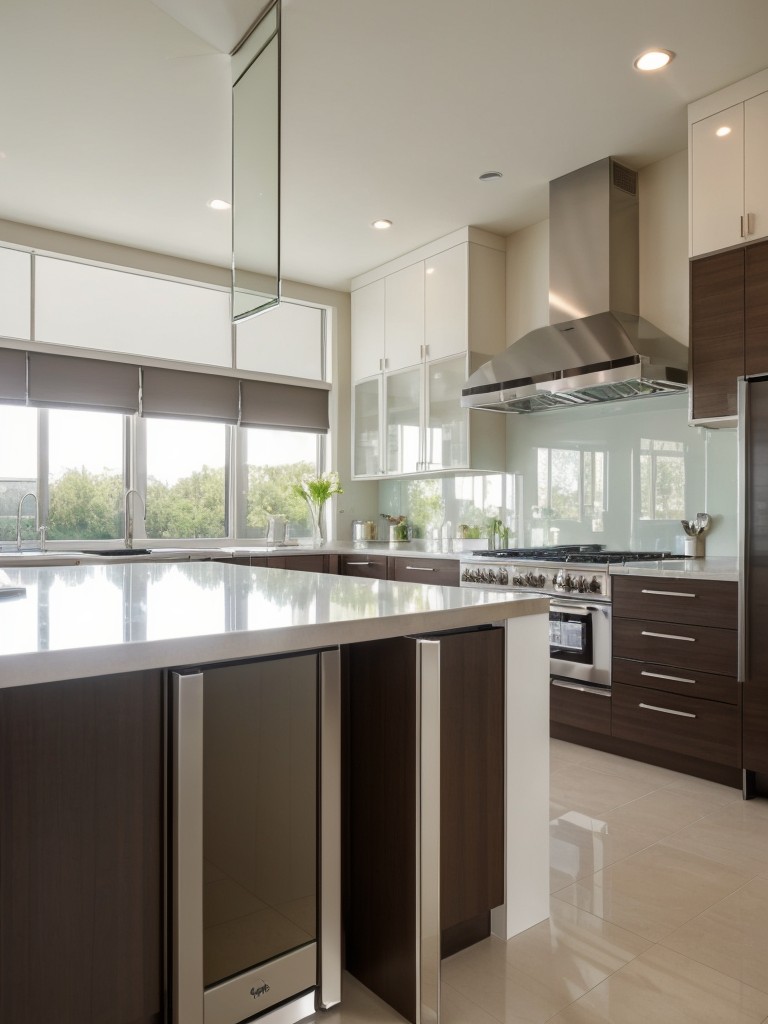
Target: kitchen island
{"x":86,"y":659}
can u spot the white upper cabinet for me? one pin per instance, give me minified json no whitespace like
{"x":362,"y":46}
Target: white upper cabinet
{"x":404,"y":317}
{"x":755,"y":165}
{"x":368,"y":330}
{"x":15,"y":294}
{"x":285,"y":339}
{"x":116,"y":311}
{"x":728,"y":148}
{"x":717,"y":180}
{"x":446,"y":305}
{"x":418,"y":324}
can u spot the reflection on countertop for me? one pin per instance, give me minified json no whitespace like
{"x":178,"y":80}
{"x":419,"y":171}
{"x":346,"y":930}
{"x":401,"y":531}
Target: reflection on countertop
{"x":715,"y":568}
{"x":87,"y":620}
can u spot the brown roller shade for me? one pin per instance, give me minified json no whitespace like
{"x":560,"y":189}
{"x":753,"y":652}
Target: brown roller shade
{"x":65,"y":381}
{"x":13,"y":376}
{"x":189,"y":395}
{"x":285,"y":406}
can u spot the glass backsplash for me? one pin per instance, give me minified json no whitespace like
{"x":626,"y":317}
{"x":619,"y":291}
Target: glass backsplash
{"x":622,"y":474}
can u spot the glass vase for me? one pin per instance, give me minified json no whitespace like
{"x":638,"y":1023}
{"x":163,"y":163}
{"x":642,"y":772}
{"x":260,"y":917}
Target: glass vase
{"x":317,"y":522}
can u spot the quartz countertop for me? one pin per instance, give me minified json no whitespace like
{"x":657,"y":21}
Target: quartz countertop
{"x":715,"y":568}
{"x":88,"y":620}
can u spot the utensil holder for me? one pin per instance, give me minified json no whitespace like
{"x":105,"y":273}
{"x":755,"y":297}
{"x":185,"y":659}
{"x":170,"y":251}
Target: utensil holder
{"x":694,"y":547}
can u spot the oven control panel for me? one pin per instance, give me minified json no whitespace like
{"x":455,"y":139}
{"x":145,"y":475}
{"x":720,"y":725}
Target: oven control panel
{"x":554,"y":580}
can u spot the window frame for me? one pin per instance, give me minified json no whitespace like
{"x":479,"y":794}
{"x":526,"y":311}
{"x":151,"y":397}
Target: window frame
{"x":134,"y":476}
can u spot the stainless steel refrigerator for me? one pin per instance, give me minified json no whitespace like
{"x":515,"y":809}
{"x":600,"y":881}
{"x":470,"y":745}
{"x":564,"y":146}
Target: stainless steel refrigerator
{"x":753,"y":429}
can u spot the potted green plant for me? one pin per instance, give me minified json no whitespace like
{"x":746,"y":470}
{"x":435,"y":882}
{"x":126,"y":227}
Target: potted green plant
{"x":316,"y":490}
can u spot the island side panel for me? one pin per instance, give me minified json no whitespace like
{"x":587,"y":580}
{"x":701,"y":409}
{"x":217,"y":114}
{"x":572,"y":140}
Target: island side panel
{"x":81,"y":845}
{"x":527,"y":777}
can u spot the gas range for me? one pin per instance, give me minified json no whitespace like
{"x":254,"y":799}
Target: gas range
{"x":567,"y":570}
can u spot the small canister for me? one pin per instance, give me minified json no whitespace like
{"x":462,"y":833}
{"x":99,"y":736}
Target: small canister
{"x":358,"y":529}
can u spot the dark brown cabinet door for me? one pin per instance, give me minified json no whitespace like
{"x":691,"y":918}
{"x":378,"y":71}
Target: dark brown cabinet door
{"x":717,"y":333}
{"x":756,"y":310}
{"x":81,"y":895}
{"x":441,"y":572}
{"x":365,"y":565}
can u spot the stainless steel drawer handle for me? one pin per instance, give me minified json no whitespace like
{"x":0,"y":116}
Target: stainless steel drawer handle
{"x":667,"y":593}
{"x":359,"y":563}
{"x":592,"y":690}
{"x":420,"y":568}
{"x":667,"y":711}
{"x":672,"y":679}
{"x":669,"y":636}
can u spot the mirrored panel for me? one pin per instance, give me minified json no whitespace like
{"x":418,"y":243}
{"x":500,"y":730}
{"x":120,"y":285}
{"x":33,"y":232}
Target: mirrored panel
{"x":256,"y":169}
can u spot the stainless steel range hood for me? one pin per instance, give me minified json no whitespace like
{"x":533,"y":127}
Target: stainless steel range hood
{"x":604,"y":351}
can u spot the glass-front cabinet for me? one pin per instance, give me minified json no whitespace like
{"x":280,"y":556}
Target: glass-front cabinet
{"x":403,"y":421}
{"x":411,"y":421}
{"x":447,"y":423}
{"x":367,"y":428}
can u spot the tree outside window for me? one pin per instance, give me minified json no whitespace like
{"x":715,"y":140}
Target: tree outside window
{"x":662,"y":479}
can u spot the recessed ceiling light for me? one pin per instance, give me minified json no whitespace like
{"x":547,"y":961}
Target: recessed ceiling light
{"x":218,"y":204}
{"x":722,"y":132}
{"x":652,"y":60}
{"x":490,"y":175}
{"x":382,"y":225}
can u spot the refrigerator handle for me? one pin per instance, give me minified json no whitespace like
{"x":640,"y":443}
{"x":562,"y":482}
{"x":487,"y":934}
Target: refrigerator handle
{"x":743,"y":524}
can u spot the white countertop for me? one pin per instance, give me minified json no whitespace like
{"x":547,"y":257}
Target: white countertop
{"x":716,"y":568}
{"x":90,"y":620}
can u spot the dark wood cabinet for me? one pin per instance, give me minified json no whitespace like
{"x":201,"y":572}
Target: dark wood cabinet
{"x":756,"y":309}
{"x":579,"y":708}
{"x":729,"y":326}
{"x":717,"y":333}
{"x":675,"y":656}
{"x":81,"y":851}
{"x":364,"y":564}
{"x":382,"y":751}
{"x":442,"y":572}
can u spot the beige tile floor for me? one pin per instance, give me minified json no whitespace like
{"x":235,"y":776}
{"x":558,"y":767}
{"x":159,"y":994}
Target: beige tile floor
{"x":659,"y":911}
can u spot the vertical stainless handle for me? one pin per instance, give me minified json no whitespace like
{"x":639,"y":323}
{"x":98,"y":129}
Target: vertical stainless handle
{"x":187,"y":844}
{"x":750,"y":223}
{"x":742,"y":232}
{"x":428,"y":831}
{"x":329,"y":967}
{"x":381,"y":364}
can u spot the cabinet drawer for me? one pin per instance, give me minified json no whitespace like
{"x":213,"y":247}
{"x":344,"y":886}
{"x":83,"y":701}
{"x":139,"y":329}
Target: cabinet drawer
{"x":370,"y":566}
{"x":687,"y":683}
{"x":582,"y":709}
{"x":704,"y":729}
{"x":439,"y":571}
{"x":699,"y":602}
{"x":696,"y":648}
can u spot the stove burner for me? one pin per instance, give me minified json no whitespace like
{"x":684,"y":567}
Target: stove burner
{"x":579,"y":554}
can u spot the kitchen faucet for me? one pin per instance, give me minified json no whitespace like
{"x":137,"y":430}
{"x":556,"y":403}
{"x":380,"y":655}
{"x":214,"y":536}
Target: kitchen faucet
{"x":128,"y":516}
{"x":38,"y":528}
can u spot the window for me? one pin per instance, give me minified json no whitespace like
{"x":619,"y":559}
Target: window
{"x":186,"y":479}
{"x":273,"y":461}
{"x":85,"y":474}
{"x":79,"y":464}
{"x":18,"y":469}
{"x":662,"y":479}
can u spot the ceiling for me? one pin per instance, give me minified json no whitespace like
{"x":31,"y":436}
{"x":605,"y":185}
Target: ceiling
{"x":115,"y":115}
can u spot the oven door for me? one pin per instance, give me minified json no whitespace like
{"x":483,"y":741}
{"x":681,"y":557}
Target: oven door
{"x":580,"y":642}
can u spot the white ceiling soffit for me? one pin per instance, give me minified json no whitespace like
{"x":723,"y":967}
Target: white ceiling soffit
{"x":117,"y":120}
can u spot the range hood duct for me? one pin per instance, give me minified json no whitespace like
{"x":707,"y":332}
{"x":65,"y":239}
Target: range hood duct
{"x":604,"y":351}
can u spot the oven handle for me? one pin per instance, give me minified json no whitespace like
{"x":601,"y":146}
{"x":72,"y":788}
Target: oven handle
{"x":597,"y":691}
{"x":569,"y":606}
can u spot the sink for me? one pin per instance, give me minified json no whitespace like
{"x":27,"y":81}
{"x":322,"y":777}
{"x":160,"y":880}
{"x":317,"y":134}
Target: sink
{"x":121,"y":552}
